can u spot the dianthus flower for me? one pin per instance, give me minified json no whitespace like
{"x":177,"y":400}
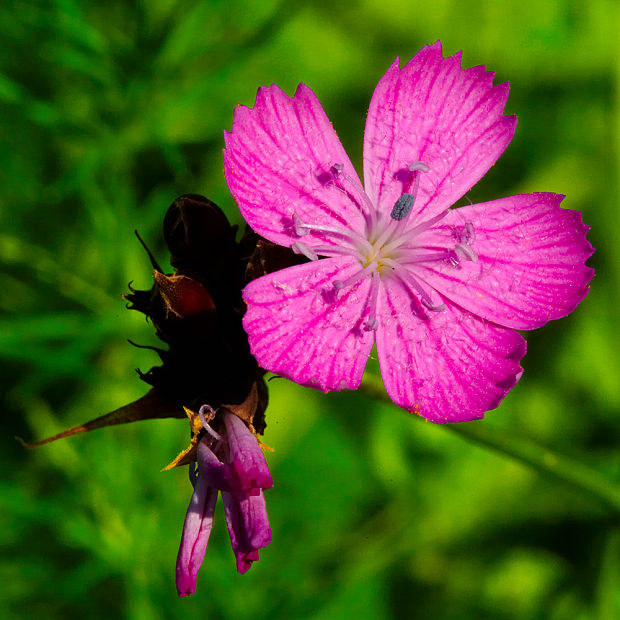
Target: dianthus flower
{"x":233,"y":464}
{"x":440,"y":290}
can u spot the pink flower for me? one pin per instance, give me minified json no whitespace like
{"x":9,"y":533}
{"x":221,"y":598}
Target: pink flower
{"x":440,"y":291}
{"x":233,"y":464}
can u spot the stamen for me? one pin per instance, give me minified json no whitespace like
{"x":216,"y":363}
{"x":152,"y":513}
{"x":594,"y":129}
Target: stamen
{"x":299,"y":247}
{"x":402,"y":207}
{"x":214,"y":434}
{"x":338,"y":171}
{"x":371,"y":322}
{"x":338,"y":284}
{"x":466,"y":237}
{"x":203,"y":419}
{"x":431,"y":257}
{"x":454,"y":259}
{"x":409,"y":279}
{"x":387,"y":231}
{"x":305,"y":229}
{"x":427,"y":224}
{"x":334,"y":250}
{"x":406,"y":238}
{"x":202,"y":415}
{"x":417,"y":167}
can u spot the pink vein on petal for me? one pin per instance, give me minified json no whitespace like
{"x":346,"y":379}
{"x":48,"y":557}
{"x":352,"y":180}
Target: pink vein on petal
{"x":278,"y":162}
{"x":531,"y":260}
{"x":299,"y":329}
{"x":433,"y":111}
{"x":452,"y":366}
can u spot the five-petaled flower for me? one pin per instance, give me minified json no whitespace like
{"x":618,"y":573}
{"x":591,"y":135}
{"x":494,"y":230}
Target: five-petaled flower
{"x":440,"y":290}
{"x":233,"y":464}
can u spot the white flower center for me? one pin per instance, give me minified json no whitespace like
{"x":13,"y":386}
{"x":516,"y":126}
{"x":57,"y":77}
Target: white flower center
{"x":389,"y":246}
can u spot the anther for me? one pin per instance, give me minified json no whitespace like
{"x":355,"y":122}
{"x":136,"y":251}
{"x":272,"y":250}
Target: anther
{"x":402,"y":207}
{"x":409,"y":279}
{"x":371,"y":323}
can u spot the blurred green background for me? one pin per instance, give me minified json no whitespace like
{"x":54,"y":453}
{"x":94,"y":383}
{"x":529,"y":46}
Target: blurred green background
{"x":110,"y":110}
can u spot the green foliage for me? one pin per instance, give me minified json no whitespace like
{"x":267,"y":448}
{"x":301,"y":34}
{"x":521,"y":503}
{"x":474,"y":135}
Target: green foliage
{"x":110,"y":110}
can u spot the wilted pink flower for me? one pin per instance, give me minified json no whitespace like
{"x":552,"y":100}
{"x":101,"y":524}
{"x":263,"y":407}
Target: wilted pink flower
{"x":441,"y":291}
{"x":232,"y":463}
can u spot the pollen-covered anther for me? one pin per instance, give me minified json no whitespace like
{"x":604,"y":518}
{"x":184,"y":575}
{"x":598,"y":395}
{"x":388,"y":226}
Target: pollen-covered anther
{"x":402,"y":207}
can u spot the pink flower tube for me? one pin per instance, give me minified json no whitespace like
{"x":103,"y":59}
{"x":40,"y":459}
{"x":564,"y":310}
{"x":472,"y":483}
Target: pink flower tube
{"x":234,"y":464}
{"x":441,"y":291}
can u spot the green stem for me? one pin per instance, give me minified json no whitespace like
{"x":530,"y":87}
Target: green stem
{"x":542,"y":459}
{"x":563,"y":468}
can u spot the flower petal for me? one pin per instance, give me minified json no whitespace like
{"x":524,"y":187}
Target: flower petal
{"x":196,"y":531}
{"x":433,"y":111}
{"x":248,"y":526}
{"x":531,"y":260}
{"x":277,"y":162}
{"x":211,"y":468}
{"x":300,"y":329}
{"x":449,"y":367}
{"x":247,"y":465}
